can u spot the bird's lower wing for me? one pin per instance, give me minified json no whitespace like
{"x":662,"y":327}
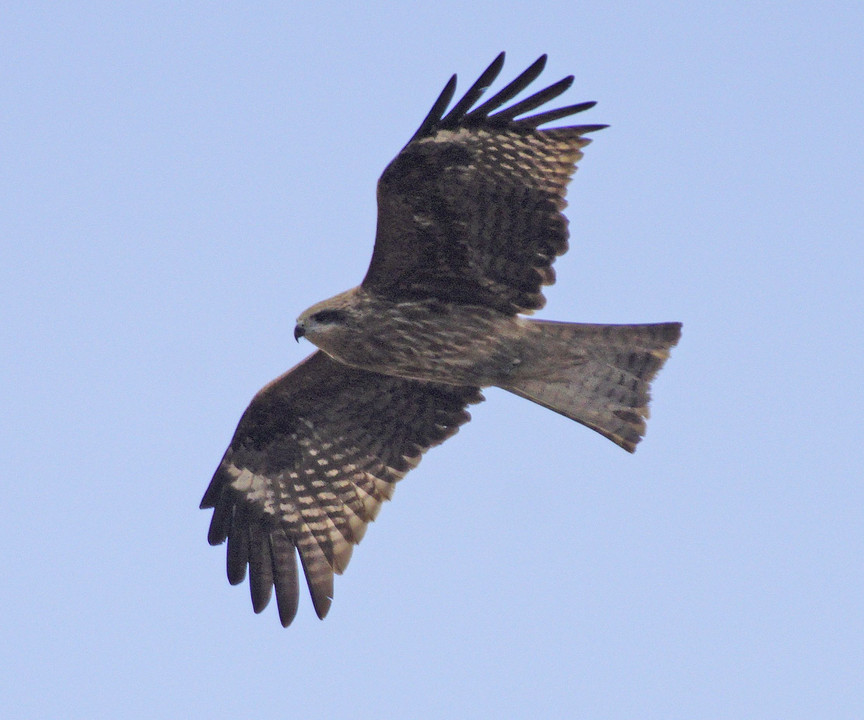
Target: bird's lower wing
{"x":314,"y":456}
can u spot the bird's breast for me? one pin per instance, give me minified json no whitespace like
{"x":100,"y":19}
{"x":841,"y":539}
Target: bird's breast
{"x":456,"y":345}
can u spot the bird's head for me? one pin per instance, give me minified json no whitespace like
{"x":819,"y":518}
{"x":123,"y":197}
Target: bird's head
{"x":326,"y":324}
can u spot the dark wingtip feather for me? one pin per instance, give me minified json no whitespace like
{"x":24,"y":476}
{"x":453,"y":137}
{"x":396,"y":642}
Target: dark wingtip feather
{"x":214,"y":489}
{"x":480,"y":86}
{"x":591,"y":128}
{"x":434,"y":115}
{"x":461,"y":114}
{"x":237,"y":555}
{"x":322,"y":603}
{"x":510,"y":91}
{"x":285,"y":577}
{"x":319,"y":577}
{"x":581,"y":130}
{"x":220,"y":523}
{"x":548,"y":116}
{"x":260,"y":569}
{"x":535,"y":100}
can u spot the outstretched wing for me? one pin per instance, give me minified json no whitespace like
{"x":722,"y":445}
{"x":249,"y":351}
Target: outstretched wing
{"x":470,"y":209}
{"x":315,"y":454}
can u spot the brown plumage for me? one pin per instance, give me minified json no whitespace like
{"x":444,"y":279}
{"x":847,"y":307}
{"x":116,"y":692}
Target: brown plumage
{"x":469,"y":224}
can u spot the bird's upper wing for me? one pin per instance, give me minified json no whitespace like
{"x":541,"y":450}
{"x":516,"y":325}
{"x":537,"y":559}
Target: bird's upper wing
{"x":470,"y":210}
{"x":315,"y":454}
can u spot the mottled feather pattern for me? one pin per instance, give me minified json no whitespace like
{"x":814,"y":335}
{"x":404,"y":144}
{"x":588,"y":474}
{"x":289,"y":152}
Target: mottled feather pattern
{"x":319,"y":470}
{"x":525,"y":174}
{"x":470,"y":210}
{"x":616,"y":364}
{"x":494,"y":227}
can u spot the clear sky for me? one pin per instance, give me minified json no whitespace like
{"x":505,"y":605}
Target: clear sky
{"x":180,"y":180}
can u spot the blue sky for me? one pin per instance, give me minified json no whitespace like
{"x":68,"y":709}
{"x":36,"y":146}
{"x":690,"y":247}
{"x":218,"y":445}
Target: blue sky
{"x":180,"y":181}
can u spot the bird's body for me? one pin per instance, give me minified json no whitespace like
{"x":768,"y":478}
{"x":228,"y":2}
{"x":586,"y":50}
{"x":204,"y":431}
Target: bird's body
{"x":469,"y":224}
{"x":470,"y":345}
{"x":579,"y":365}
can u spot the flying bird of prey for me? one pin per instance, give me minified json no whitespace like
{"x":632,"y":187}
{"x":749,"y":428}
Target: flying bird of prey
{"x":469,"y":224}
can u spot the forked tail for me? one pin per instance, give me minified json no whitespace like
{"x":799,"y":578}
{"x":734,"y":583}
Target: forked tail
{"x":598,"y":375}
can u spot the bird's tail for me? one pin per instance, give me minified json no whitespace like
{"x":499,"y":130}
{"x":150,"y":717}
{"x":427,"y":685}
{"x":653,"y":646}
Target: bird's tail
{"x":598,"y":375}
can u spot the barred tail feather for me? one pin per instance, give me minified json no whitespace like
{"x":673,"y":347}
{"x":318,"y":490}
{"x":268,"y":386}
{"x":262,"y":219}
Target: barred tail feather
{"x":598,"y":375}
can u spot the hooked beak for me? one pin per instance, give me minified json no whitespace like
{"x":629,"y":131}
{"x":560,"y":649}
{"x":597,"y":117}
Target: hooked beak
{"x":299,"y":332}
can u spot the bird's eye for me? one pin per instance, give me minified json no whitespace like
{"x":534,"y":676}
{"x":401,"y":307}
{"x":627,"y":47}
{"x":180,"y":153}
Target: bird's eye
{"x":330,"y":316}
